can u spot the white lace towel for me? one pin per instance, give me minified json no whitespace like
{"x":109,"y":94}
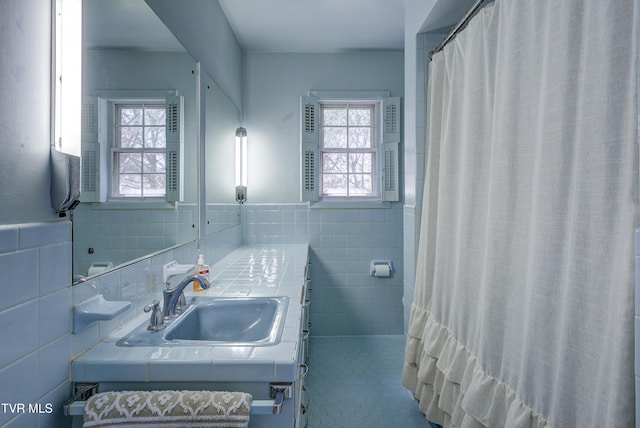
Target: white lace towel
{"x":168,"y":409}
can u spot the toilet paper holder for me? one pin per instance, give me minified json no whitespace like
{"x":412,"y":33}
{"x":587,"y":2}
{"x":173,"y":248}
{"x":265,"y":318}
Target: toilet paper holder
{"x":380,"y":268}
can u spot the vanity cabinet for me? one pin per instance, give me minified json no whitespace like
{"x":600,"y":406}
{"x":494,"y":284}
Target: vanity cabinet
{"x":264,"y":271}
{"x":302,"y":399}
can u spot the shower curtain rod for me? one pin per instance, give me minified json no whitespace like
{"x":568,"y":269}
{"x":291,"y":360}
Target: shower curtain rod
{"x":467,"y":16}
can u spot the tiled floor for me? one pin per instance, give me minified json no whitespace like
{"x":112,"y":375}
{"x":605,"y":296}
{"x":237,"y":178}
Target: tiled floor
{"x":355,"y":381}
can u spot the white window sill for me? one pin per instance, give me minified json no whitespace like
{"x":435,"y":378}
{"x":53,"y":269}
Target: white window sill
{"x":346,"y":204}
{"x":133,"y":205}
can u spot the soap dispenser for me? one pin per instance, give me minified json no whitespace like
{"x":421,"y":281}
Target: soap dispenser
{"x":201,"y":269}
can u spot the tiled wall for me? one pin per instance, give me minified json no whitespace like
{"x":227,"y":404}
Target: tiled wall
{"x":35,"y":321}
{"x":221,"y":217}
{"x":141,"y":282}
{"x":138,"y":232}
{"x":132,"y":233}
{"x":36,"y":302}
{"x":36,"y":298}
{"x":275,"y":223}
{"x":346,"y":299}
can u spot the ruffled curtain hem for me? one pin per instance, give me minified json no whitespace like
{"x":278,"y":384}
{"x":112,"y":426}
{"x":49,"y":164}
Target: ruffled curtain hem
{"x":451,"y":387}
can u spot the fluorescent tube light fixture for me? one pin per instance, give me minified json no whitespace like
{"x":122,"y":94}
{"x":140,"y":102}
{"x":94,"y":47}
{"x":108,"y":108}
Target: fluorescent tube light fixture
{"x":241,"y":165}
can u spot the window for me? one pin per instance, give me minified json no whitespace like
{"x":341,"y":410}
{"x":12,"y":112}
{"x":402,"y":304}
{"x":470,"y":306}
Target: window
{"x":349,"y":149}
{"x":138,"y":158}
{"x":132,"y":147}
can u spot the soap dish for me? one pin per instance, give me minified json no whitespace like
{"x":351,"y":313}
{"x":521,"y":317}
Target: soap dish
{"x":96,"y":309}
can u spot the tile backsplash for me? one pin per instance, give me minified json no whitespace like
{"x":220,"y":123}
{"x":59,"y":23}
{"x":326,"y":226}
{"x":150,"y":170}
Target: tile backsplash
{"x":346,"y":299}
{"x":141,"y":282}
{"x":132,"y":232}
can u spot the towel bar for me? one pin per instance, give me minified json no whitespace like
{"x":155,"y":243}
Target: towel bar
{"x":278,"y":391}
{"x":258,"y":407}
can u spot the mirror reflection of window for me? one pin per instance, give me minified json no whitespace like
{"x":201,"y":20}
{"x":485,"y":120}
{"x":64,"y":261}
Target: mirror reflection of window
{"x":138,"y":150}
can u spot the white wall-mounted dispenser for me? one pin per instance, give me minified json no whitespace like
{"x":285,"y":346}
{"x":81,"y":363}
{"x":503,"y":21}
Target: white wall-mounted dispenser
{"x":65,"y":182}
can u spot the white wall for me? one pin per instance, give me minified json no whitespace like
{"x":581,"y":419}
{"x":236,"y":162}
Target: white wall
{"x":272,"y":86}
{"x":416,"y":11}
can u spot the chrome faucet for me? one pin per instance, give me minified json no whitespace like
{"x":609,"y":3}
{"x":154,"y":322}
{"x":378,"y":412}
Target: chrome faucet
{"x":173,"y":296}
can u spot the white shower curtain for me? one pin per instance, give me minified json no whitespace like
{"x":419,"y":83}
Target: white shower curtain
{"x":523,"y":310}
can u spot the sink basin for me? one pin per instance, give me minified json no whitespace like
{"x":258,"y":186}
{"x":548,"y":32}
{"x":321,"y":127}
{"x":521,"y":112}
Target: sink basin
{"x":246,"y":321}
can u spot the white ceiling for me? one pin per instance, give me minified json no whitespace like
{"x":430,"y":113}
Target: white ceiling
{"x":316,"y":25}
{"x":271,"y":25}
{"x":125,"y":24}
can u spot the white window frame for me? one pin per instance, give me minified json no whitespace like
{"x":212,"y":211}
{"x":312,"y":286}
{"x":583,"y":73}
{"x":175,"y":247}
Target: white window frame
{"x":374,"y":149}
{"x":116,"y":148}
{"x":96,"y":163}
{"x":387,"y":159}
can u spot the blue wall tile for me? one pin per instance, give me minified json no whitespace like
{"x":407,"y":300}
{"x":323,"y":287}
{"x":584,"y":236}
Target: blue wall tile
{"x":18,"y":332}
{"x":19,"y":277}
{"x":15,"y":387}
{"x":342,"y":242}
{"x":8,"y":239}
{"x":54,"y":315}
{"x":54,"y":269}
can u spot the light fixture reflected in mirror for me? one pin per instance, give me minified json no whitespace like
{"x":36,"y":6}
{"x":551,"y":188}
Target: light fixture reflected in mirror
{"x":241,"y":165}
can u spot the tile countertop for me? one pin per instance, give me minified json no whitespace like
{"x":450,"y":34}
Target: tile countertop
{"x":260,"y":270}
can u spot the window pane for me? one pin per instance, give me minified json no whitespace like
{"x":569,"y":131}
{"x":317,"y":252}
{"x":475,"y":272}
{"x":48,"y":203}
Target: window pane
{"x":360,"y":184}
{"x":360,"y":138}
{"x":334,"y":184}
{"x":129,"y":185}
{"x":360,"y":117}
{"x":130,"y":116}
{"x":154,"y":162}
{"x":154,"y":184}
{"x":154,"y":116}
{"x":129,"y":162}
{"x":360,"y":162}
{"x":334,"y":138}
{"x":140,"y":167}
{"x":334,"y":116}
{"x":155,"y":137}
{"x":131,"y":138}
{"x":334,"y":163}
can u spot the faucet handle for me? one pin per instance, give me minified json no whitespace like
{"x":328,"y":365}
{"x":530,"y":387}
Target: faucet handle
{"x":157,"y":319}
{"x":155,"y":304}
{"x":182,"y":303}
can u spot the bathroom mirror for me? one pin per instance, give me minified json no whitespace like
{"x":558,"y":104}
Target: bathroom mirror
{"x":222,"y":119}
{"x":132,"y":65}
